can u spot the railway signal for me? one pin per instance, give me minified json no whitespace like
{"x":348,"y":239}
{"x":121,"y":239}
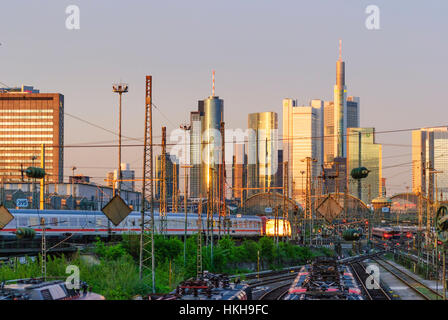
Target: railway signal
{"x":5,"y":216}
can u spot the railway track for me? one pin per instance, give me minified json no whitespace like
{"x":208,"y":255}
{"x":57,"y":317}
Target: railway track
{"x":361,"y":275}
{"x":270,"y":280}
{"x":412,"y":282}
{"x":277,"y":293}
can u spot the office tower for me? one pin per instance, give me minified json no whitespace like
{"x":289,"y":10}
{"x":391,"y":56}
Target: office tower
{"x":195,"y":151}
{"x":353,"y":121}
{"x":29,"y":119}
{"x":211,"y":141}
{"x":329,"y":133}
{"x":262,"y":155}
{"x":279,"y":175}
{"x":239,"y":171}
{"x":170,"y":160}
{"x":126,"y":176}
{"x":430,"y":153}
{"x":353,"y":112}
{"x":362,"y":151}
{"x":340,"y":107}
{"x":302,"y":138}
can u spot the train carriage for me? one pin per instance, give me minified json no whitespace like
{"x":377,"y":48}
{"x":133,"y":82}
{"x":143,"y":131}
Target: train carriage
{"x":91,"y":224}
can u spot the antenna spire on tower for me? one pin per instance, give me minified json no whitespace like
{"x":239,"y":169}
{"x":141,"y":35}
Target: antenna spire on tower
{"x":340,"y":49}
{"x":213,"y":83}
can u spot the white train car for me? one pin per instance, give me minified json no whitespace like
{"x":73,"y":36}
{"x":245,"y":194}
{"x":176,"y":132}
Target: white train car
{"x":91,"y":224}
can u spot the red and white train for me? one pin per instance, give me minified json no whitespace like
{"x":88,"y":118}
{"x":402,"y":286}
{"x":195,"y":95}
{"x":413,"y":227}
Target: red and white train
{"x":386,"y":233}
{"x":91,"y":224}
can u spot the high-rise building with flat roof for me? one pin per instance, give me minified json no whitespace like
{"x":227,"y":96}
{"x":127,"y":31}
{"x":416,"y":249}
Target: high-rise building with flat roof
{"x":169,"y":177}
{"x":211,"y":155}
{"x":302,"y":138}
{"x":262,"y":155}
{"x":29,"y":119}
{"x":239,"y":171}
{"x":362,"y":151}
{"x":430,"y":153}
{"x":353,"y":112}
{"x":195,"y":151}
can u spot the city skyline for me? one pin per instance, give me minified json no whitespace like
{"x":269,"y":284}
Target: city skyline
{"x":248,"y":81}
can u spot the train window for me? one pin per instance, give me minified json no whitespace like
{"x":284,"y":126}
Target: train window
{"x":82,"y":222}
{"x":23,"y":221}
{"x":73,"y":221}
{"x":34,"y":221}
{"x":100,"y":222}
{"x":54,"y":221}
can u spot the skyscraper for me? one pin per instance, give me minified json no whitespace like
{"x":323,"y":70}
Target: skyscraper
{"x":126,"y":174}
{"x":239,"y":171}
{"x":211,"y":140}
{"x":28,"y":119}
{"x":430,"y":150}
{"x":195,"y":151}
{"x":340,"y":107}
{"x":353,"y":112}
{"x":302,"y":138}
{"x":262,"y":155}
{"x":362,"y":151}
{"x":170,"y":160}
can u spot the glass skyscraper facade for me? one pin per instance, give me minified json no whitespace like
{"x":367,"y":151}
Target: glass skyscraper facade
{"x":262,"y":151}
{"x":430,"y":150}
{"x":29,"y":119}
{"x":362,"y":151}
{"x":302,"y":138}
{"x":211,"y":145}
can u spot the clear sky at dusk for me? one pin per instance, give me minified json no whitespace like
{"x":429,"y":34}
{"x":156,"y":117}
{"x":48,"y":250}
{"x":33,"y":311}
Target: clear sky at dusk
{"x":262,"y":51}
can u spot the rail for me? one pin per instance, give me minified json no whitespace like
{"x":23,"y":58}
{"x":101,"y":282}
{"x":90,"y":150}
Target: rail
{"x":415,"y":284}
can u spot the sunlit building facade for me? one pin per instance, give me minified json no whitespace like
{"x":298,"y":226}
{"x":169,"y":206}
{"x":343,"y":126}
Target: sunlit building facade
{"x":195,"y":151}
{"x":29,"y":119}
{"x":302,"y":138}
{"x":262,"y":152}
{"x":362,"y":151}
{"x":430,"y":153}
{"x":169,"y":177}
{"x":211,"y":142}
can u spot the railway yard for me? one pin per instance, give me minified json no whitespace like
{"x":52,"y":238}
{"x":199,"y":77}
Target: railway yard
{"x":347,"y":279}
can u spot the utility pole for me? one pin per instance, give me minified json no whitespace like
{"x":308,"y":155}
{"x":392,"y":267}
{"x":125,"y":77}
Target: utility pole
{"x":119,"y":88}
{"x":42,"y":180}
{"x":199,"y":241}
{"x":186,"y":128}
{"x":73,"y":187}
{"x":43,"y":250}
{"x":222,"y":214}
{"x":285,"y":191}
{"x":147,"y":190}
{"x":34,"y":200}
{"x":162,"y":186}
{"x":175,"y":196}
{"x":308,"y":211}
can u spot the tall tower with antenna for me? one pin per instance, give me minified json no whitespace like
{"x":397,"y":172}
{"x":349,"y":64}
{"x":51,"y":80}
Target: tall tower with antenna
{"x":340,"y":107}
{"x":211,"y":140}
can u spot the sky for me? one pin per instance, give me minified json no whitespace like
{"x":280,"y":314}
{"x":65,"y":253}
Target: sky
{"x":262,"y":51}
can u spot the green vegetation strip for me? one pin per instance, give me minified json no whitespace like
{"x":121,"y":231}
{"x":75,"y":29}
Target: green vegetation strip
{"x":112,"y":269}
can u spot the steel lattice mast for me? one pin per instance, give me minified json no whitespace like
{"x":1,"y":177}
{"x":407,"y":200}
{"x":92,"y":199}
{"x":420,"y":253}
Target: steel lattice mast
{"x":147,"y":234}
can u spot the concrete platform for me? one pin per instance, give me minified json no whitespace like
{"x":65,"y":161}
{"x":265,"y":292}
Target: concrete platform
{"x":395,"y":287}
{"x":433,"y":284}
